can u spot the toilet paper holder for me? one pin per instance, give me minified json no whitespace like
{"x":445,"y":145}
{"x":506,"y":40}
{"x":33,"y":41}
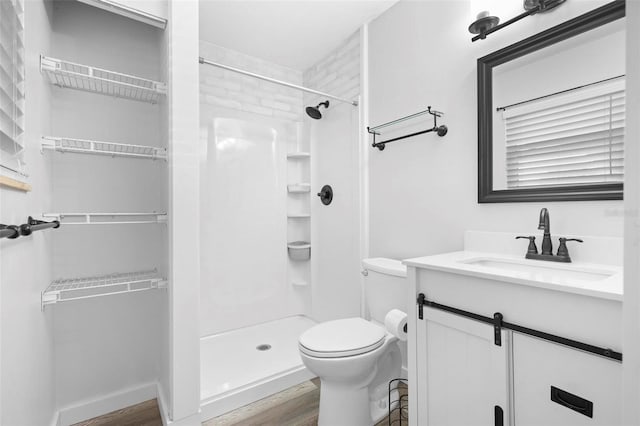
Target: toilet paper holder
{"x":395,"y":322}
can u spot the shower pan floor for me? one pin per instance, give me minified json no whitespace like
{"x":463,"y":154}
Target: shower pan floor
{"x":241,"y":366}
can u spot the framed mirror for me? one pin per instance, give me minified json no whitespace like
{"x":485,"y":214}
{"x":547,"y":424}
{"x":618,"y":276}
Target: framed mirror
{"x":551,"y":113}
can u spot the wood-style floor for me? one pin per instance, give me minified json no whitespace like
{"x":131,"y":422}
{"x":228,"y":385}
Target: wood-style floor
{"x":296,"y":406}
{"x":143,"y":414}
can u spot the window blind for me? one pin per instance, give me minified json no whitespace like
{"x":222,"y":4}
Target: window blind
{"x":571,"y":138}
{"x":12,"y":70}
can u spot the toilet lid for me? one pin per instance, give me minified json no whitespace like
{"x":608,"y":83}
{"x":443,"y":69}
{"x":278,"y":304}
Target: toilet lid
{"x":339,"y":338}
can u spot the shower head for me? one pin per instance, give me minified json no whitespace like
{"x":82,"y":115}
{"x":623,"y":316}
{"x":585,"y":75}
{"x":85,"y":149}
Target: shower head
{"x":314,"y":112}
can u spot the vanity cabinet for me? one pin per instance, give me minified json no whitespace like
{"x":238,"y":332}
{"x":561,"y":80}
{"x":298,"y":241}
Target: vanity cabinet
{"x":460,"y":374}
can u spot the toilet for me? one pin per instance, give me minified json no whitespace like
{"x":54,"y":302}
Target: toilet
{"x":356,"y":358}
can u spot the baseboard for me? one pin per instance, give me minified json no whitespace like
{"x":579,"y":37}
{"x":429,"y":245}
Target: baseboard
{"x":55,"y":420}
{"x":97,"y":407}
{"x":193,"y":420}
{"x":163,"y":406}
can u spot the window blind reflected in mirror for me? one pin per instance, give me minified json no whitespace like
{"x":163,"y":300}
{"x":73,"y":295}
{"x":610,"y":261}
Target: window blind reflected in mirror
{"x":575,"y":137}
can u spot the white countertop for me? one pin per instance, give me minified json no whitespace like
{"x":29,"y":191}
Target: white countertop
{"x":610,"y":288}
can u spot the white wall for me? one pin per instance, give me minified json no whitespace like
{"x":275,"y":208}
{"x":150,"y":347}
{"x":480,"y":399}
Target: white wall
{"x":164,"y":322}
{"x":631,"y":304}
{"x":335,"y":236}
{"x":423,"y":190}
{"x":109,"y":344}
{"x":184,"y":213}
{"x":27,"y":361}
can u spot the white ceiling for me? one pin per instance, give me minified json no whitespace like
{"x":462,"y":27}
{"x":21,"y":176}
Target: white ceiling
{"x":293,"y":33}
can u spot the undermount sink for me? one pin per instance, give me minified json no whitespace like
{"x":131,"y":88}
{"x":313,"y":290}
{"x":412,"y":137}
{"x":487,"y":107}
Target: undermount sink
{"x":543,"y":272}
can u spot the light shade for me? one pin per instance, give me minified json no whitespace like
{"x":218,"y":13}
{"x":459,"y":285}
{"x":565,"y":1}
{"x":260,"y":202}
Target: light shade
{"x":484,"y":22}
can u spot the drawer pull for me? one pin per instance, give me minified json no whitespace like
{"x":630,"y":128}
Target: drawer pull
{"x":571,"y":401}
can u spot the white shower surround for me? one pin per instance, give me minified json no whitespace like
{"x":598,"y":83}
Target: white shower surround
{"x":244,"y":296}
{"x":244,"y":227}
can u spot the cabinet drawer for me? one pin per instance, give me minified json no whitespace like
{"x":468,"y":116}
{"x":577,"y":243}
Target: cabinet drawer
{"x":578,"y":378}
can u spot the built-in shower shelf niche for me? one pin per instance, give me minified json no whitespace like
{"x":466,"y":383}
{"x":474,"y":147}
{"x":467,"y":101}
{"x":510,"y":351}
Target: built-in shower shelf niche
{"x":298,"y":204}
{"x":299,"y":250}
{"x":107,"y":218}
{"x":298,"y":155}
{"x":65,"y":290}
{"x":299,"y":188}
{"x":112,"y":149}
{"x":298,"y":215}
{"x":97,"y":80}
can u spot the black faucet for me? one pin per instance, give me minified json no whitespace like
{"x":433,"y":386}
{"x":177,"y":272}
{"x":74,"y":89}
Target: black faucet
{"x":547,"y":246}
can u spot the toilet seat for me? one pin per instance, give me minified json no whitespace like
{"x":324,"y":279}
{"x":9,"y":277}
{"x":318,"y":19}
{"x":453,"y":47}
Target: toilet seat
{"x":342,"y":338}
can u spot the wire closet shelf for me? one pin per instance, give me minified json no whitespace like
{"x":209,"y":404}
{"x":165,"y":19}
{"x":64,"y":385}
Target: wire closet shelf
{"x":64,"y":290}
{"x":98,"y":80}
{"x":107,"y":218}
{"x":84,"y":146}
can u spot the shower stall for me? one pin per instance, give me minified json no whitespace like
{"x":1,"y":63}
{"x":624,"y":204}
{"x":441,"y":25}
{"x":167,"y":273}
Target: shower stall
{"x":275,"y":259}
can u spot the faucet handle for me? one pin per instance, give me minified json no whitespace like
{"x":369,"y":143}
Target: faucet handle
{"x":562,"y":248}
{"x":570,"y":239}
{"x":532,"y":249}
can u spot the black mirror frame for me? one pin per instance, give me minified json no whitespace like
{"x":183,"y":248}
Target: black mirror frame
{"x":486,"y":194}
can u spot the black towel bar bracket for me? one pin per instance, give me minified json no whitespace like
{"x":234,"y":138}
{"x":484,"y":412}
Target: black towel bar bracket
{"x":15,"y":231}
{"x":440,"y":130}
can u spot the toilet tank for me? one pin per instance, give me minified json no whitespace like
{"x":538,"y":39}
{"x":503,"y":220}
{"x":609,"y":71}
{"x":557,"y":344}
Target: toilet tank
{"x":385,"y":286}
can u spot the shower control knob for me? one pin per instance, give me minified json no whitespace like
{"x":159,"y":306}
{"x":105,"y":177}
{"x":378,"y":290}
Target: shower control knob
{"x":326,"y":195}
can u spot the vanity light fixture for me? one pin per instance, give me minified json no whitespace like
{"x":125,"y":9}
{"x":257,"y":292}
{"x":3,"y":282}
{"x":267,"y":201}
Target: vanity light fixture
{"x":483,"y":23}
{"x":486,"y":24}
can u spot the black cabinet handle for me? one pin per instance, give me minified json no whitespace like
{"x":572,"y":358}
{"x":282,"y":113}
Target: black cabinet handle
{"x":571,"y":401}
{"x":498,"y":416}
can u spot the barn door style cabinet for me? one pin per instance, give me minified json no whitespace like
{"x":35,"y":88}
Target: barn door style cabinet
{"x":489,"y":348}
